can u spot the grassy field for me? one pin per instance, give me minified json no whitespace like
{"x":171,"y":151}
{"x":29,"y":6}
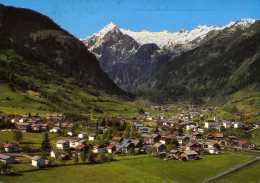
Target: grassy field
{"x":137,"y":169}
{"x":78,"y":102}
{"x":16,"y":102}
{"x":246,"y":101}
{"x":33,"y":139}
{"x":248,"y":175}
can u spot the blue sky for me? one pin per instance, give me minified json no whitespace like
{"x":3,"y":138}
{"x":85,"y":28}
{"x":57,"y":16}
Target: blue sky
{"x":85,"y":17}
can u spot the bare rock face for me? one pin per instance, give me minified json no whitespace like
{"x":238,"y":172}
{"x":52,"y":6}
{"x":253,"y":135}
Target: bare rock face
{"x":130,"y":57}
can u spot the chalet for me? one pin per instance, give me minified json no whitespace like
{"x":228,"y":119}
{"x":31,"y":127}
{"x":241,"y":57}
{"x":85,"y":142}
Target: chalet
{"x":212,"y":147}
{"x":226,"y":124}
{"x":215,"y":136}
{"x":7,"y":159}
{"x":111,"y":148}
{"x":40,"y":162}
{"x":194,"y":147}
{"x":11,"y":148}
{"x":60,"y":154}
{"x":213,"y":150}
{"x":92,"y":137}
{"x":189,"y":155}
{"x":63,"y":144}
{"x":244,"y":144}
{"x":166,"y":139}
{"x":174,"y":154}
{"x":24,"y":127}
{"x":212,"y":125}
{"x":151,"y":138}
{"x":99,"y":149}
{"x":126,"y":146}
{"x":159,"y":147}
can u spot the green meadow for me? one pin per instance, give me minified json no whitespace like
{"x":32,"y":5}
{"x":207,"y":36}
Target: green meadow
{"x":131,"y":169}
{"x":247,"y":175}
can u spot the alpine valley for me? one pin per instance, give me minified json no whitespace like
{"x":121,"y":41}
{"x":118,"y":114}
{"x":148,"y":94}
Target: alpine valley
{"x":206,"y":64}
{"x":129,"y":107}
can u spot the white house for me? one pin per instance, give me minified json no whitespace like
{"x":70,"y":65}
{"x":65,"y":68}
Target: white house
{"x":53,"y":154}
{"x":82,"y":135}
{"x":237,"y":125}
{"x":213,"y":151}
{"x":226,"y":124}
{"x":21,"y":120}
{"x":71,"y":134}
{"x":99,"y":149}
{"x":39,"y":162}
{"x":55,"y":130}
{"x":63,"y":144}
{"x":211,"y":148}
{"x":92,"y":137}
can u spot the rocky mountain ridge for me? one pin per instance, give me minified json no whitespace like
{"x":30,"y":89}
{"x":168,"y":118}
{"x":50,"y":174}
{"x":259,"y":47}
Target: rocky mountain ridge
{"x":119,"y":50}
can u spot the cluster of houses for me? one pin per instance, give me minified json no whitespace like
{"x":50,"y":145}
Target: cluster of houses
{"x":179,"y":138}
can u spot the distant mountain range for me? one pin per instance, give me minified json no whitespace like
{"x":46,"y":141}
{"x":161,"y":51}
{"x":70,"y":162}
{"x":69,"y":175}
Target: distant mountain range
{"x":131,"y":58}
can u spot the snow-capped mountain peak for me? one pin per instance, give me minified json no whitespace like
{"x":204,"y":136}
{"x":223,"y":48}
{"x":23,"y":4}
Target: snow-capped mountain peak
{"x":108,"y":28}
{"x":165,"y":38}
{"x":243,"y":23}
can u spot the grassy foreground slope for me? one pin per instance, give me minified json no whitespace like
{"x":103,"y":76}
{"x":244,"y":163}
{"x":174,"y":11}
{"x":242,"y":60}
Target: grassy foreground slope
{"x":34,"y":87}
{"x":22,"y":102}
{"x":45,"y":69}
{"x":246,"y":103}
{"x":248,"y":175}
{"x":138,"y":169}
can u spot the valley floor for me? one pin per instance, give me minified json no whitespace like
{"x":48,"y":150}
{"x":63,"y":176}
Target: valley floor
{"x":133,"y":169}
{"x":248,"y":175}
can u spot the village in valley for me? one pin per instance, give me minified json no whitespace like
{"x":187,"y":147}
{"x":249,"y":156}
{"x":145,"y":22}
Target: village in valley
{"x":185,"y":135}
